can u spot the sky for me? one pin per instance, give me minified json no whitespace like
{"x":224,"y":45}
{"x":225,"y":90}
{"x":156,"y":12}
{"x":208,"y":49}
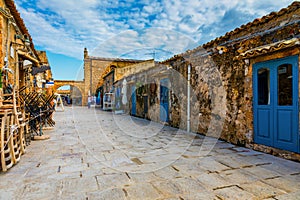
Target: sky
{"x":135,"y":29}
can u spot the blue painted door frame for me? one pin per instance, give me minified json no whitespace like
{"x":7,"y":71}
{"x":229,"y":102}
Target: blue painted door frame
{"x":133,"y":100}
{"x":275,"y":103}
{"x":164,"y":100}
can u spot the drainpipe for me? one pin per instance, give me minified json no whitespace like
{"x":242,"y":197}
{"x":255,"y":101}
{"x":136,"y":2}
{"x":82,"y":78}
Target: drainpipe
{"x":188,"y":128}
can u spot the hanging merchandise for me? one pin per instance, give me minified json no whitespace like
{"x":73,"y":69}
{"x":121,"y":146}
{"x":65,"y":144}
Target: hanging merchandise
{"x":124,"y":92}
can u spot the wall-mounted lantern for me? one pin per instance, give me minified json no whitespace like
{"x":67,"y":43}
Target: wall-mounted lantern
{"x":24,"y":38}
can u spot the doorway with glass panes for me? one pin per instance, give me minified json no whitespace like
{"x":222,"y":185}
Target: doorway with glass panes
{"x":275,"y":103}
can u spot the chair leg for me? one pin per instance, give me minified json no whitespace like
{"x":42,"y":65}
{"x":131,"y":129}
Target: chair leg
{"x":21,"y":134}
{"x":3,"y":164}
{"x":27,"y":133}
{"x":13,"y":141}
{"x":16,"y":138}
{"x":7,"y":150}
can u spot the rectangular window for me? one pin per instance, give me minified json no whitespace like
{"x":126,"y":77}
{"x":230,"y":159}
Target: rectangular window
{"x":263,"y":86}
{"x":285,"y":85}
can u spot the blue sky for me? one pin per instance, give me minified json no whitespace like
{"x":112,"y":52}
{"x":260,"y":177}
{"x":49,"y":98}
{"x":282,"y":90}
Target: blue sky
{"x":131,"y":29}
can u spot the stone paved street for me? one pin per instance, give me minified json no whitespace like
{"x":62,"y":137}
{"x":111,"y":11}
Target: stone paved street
{"x":97,"y":155}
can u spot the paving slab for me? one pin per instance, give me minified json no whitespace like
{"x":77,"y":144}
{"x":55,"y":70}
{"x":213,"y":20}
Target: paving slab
{"x":70,"y":186}
{"x":167,"y":188}
{"x":238,"y":176}
{"x":210,"y":164}
{"x":261,"y":173}
{"x":188,"y":185}
{"x":231,"y":161}
{"x":293,"y":195}
{"x":286,"y":184}
{"x":167,"y":173}
{"x":107,"y":181}
{"x":111,"y":194}
{"x":262,"y":190}
{"x":199,"y":195}
{"x":233,"y":193}
{"x":212,"y":181}
{"x":143,"y":177}
{"x":34,"y":189}
{"x":94,"y":154}
{"x":142,"y":191}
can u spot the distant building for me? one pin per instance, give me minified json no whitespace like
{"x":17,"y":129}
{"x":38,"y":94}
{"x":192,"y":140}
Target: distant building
{"x":99,"y":73}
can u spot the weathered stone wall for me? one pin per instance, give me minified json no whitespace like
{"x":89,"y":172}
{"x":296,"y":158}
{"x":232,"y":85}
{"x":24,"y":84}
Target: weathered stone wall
{"x":221,"y":80}
{"x":219,"y":74}
{"x":133,"y":69}
{"x":108,"y":82}
{"x":153,"y":100}
{"x":93,"y":72}
{"x":235,"y":77}
{"x":8,"y":32}
{"x":147,"y":87}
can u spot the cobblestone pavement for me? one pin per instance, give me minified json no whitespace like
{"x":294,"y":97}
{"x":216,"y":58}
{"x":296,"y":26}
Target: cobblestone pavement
{"x":97,"y":155}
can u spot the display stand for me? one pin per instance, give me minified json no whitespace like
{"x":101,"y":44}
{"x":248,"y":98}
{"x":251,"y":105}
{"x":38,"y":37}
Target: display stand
{"x":59,"y":104}
{"x":108,"y":101}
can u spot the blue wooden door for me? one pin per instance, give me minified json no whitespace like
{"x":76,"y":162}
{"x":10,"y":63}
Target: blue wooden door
{"x":133,"y":100}
{"x":164,"y":100}
{"x":275,"y":103}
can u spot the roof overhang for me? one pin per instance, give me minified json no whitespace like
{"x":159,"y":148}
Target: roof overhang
{"x":270,"y":48}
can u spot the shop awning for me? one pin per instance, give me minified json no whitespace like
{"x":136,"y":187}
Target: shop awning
{"x":36,"y":70}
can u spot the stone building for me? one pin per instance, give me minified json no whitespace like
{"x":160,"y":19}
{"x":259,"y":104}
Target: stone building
{"x":43,"y":74}
{"x":24,"y":71}
{"x":259,"y":65}
{"x":244,"y":86}
{"x":134,"y":77}
{"x":17,"y":50}
{"x":22,"y":64}
{"x":97,"y":70}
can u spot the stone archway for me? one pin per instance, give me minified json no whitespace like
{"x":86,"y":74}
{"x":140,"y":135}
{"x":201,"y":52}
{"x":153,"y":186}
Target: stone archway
{"x":76,"y":84}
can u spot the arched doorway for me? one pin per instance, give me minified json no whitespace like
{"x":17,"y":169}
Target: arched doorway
{"x":71,"y":95}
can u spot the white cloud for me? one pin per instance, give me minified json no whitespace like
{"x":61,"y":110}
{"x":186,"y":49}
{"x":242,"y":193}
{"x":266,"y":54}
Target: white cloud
{"x":145,"y":41}
{"x":43,"y":34}
{"x":261,"y":8}
{"x":118,"y":27}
